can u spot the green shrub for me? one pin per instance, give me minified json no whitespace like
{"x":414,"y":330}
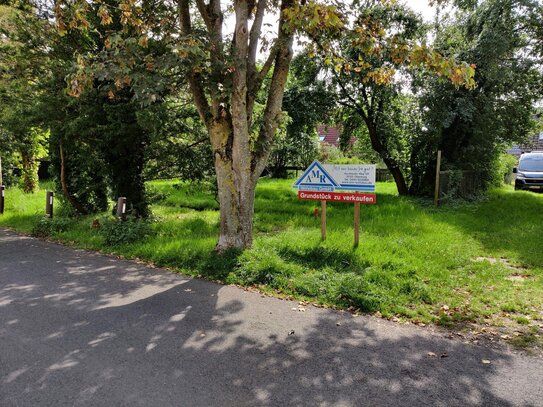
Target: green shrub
{"x":503,"y":167}
{"x":154,"y":194}
{"x":45,"y":227}
{"x":117,"y":233}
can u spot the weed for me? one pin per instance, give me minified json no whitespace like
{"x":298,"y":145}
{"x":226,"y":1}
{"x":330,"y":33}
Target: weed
{"x":117,"y":233}
{"x":46,"y":227}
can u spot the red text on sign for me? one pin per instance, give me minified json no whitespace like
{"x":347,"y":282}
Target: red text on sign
{"x":368,"y":199}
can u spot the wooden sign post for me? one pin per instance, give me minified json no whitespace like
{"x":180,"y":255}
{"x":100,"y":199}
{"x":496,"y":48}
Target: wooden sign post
{"x":356,"y":223}
{"x":323,"y":220}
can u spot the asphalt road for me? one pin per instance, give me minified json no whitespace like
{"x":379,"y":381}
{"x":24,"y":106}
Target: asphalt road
{"x":79,"y":328}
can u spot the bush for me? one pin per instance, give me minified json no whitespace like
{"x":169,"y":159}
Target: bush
{"x":503,"y":167}
{"x":45,"y":227}
{"x":117,"y":233}
{"x":347,"y":161}
{"x":329,"y":153}
{"x":154,"y":194}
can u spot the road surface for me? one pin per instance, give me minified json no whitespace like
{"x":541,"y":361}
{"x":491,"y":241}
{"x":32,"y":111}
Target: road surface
{"x":83,"y":329}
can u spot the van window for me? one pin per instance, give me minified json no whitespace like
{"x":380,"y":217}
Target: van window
{"x":531,"y":164}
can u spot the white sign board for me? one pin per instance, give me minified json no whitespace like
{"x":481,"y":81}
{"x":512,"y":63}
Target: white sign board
{"x":328,"y":177}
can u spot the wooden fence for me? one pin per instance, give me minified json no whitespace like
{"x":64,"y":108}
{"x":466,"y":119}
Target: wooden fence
{"x":460,"y":184}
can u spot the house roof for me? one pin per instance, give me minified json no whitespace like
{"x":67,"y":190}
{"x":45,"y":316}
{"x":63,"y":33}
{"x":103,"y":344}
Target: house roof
{"x":329,"y":134}
{"x":535,"y":144}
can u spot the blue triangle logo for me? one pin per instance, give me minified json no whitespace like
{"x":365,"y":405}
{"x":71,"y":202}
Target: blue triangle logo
{"x":315,"y":176}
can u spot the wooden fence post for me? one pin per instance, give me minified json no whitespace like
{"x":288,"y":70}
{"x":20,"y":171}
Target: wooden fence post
{"x":438,"y":170}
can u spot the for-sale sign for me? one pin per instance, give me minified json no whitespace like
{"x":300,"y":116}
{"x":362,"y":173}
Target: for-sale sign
{"x":319,"y":182}
{"x":338,"y":197}
{"x":328,"y":178}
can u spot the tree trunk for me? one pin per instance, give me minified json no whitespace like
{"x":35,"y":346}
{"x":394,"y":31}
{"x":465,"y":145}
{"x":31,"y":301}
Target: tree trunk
{"x":69,"y":197}
{"x":29,"y":172}
{"x":391,"y":164}
{"x":236,"y":197}
{"x":239,"y":159}
{"x":399,"y":179}
{"x":236,"y":189}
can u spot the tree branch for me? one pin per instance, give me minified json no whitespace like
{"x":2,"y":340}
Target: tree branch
{"x":272,"y":113}
{"x":202,"y":8}
{"x":254,"y":37}
{"x":239,"y":86}
{"x":193,"y":77}
{"x":346,"y":94}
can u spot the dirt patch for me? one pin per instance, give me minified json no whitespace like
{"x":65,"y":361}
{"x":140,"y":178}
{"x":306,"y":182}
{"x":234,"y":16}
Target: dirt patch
{"x":516,"y":276}
{"x":501,"y":330}
{"x":491,"y":260}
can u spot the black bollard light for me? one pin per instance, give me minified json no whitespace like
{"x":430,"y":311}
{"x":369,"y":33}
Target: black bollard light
{"x":121,"y":208}
{"x":49,"y":204}
{"x":2,"y":190}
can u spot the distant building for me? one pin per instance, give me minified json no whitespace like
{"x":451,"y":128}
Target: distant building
{"x":535,"y":144}
{"x":329,"y":134}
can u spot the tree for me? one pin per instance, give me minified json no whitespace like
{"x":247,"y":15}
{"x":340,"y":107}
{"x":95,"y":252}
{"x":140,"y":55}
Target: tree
{"x":98,"y":145}
{"x":472,"y":128}
{"x":20,"y":70}
{"x":223,"y":76}
{"x":228,"y":115}
{"x":370,"y":66}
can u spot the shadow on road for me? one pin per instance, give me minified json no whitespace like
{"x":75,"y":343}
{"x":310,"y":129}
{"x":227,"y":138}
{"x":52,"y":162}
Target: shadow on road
{"x":82,"y":329}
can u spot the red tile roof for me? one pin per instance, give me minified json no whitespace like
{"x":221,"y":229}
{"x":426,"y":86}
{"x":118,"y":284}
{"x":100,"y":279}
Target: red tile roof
{"x":330,"y":133}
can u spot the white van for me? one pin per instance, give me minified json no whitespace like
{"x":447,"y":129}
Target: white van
{"x":529,"y":171}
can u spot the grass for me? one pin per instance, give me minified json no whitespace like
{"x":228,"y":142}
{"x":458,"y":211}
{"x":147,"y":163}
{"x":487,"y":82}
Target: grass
{"x":470,"y":264}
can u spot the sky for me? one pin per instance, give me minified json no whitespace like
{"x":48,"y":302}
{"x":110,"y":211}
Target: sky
{"x":422,"y":7}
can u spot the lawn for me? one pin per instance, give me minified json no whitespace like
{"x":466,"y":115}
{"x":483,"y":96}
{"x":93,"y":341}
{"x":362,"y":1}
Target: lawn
{"x":473,"y":266}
